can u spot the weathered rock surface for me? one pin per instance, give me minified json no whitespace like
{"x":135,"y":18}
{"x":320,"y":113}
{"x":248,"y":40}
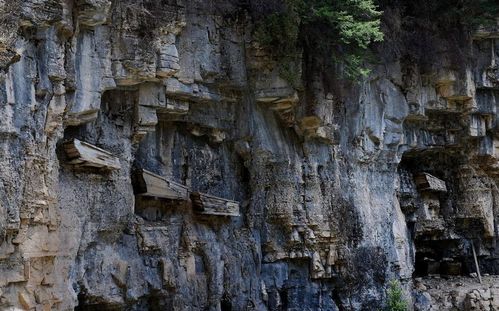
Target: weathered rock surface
{"x":456,"y":293}
{"x":318,"y":202}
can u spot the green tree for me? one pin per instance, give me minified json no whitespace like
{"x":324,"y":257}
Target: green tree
{"x":395,"y":298}
{"x":343,"y":28}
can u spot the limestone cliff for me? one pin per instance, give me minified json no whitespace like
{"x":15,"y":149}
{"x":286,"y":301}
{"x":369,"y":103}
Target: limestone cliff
{"x":152,"y":158}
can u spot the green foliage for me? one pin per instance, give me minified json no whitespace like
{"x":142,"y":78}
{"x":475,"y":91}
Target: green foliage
{"x":395,"y":298}
{"x":279,"y":32}
{"x":356,"y":21}
{"x":453,"y":13}
{"x":344,"y":28}
{"x":289,"y":70}
{"x":479,"y":12}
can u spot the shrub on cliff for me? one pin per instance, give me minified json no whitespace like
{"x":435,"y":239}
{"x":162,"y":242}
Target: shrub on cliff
{"x":395,"y":298}
{"x":343,"y":28}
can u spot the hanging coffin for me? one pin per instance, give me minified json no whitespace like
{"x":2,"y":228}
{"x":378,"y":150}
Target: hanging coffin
{"x":211,"y":205}
{"x":427,"y":182}
{"x":85,"y":155}
{"x":149,"y":184}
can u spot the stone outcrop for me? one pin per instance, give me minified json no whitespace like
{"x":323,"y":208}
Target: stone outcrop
{"x":457,"y":293}
{"x":152,"y":157}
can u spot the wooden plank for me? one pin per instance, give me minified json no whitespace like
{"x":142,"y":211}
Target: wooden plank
{"x":427,"y":182}
{"x":476,"y":263}
{"x":212,"y":205}
{"x":87,"y":155}
{"x":147,"y":183}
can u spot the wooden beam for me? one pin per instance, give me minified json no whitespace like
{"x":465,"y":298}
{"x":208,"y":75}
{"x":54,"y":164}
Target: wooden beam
{"x":83,"y":155}
{"x":146,"y":183}
{"x":476,"y":263}
{"x":212,"y":205}
{"x":427,"y":182}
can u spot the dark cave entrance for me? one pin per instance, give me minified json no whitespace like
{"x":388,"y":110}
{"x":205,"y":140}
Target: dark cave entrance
{"x":91,"y":136}
{"x":225,"y":305}
{"x":427,"y":196}
{"x":156,"y":197}
{"x":153,"y":209}
{"x":440,"y":258}
{"x":156,"y":301}
{"x":86,"y":304}
{"x":444,"y":198}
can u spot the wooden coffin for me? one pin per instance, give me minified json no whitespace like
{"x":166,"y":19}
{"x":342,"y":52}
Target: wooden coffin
{"x":149,"y":184}
{"x":211,"y":205}
{"x":427,"y":182}
{"x":83,"y":154}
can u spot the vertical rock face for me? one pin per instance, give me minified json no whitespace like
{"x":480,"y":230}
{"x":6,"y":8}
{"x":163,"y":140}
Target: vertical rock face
{"x":257,"y":195}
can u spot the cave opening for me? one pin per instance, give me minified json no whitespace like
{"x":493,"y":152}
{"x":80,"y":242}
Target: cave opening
{"x":86,"y":304}
{"x":446,"y":201}
{"x":153,"y":209}
{"x":225,"y":305}
{"x":440,"y":257}
{"x":157,"y":198}
{"x":283,"y":293}
{"x":428,"y":196}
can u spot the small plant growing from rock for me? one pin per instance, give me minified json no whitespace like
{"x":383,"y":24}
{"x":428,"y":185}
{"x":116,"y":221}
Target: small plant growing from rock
{"x":342,"y":29}
{"x":395,"y":297}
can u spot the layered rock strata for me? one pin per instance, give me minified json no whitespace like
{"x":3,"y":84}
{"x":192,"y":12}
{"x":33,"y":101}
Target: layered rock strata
{"x":339,"y":187}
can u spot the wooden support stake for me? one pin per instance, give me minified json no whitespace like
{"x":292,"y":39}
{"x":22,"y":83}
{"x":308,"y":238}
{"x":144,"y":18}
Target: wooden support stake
{"x":476,"y":263}
{"x":493,"y":46}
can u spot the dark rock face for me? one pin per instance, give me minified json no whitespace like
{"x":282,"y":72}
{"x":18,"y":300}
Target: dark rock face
{"x":333,"y":189}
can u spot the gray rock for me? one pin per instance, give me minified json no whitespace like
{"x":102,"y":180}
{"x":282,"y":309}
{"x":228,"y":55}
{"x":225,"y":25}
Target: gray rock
{"x":322,"y":170}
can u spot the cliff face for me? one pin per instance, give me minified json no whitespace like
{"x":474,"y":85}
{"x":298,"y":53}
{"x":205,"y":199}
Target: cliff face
{"x":116,"y":114}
